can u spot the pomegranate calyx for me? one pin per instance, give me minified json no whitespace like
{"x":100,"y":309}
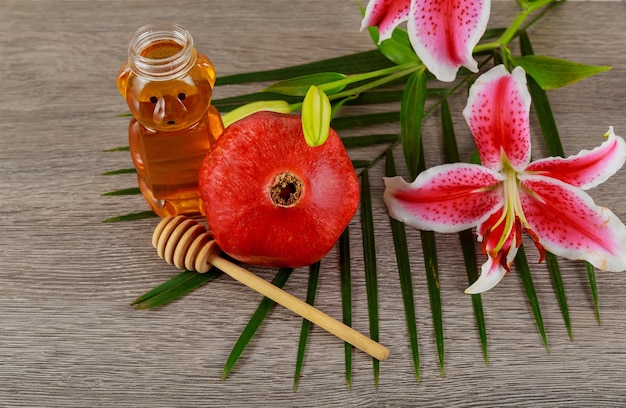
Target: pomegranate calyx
{"x":286,"y":191}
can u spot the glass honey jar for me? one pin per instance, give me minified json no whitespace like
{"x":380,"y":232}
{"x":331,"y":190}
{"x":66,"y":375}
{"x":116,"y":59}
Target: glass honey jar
{"x":168,"y":87}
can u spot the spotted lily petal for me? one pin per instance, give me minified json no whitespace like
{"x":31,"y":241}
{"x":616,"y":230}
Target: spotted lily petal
{"x":446,"y":198}
{"x":491,"y":273}
{"x":387,"y":15}
{"x":571,"y":225}
{"x":588,"y":168}
{"x":498,"y":263}
{"x":497,"y":113}
{"x":445,"y":32}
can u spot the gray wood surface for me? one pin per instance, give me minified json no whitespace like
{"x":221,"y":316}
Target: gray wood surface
{"x":68,"y":336}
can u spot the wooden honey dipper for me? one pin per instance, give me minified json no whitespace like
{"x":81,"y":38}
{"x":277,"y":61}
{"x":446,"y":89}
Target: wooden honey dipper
{"x":187,"y":245}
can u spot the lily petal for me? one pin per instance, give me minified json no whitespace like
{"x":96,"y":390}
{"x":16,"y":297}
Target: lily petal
{"x":387,"y":15}
{"x":571,"y":225}
{"x":445,"y":32}
{"x":497,"y":113}
{"x":446,"y":198}
{"x":588,"y":168}
{"x":497,"y":266}
{"x":491,"y":273}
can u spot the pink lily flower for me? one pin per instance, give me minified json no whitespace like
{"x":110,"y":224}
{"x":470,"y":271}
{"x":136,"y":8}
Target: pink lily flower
{"x":509,"y":194}
{"x":443,"y":33}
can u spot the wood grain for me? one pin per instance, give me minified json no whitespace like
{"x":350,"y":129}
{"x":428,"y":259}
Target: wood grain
{"x":68,"y":336}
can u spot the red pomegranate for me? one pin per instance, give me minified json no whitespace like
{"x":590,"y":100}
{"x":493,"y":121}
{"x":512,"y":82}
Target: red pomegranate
{"x":271,"y":199}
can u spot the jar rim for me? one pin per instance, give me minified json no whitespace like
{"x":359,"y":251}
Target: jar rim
{"x":161,"y":68}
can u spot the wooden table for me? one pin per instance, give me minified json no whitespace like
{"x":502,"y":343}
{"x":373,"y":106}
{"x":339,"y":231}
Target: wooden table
{"x":68,"y":336}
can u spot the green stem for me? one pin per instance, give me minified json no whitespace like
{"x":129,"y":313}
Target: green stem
{"x":510,"y":33}
{"x":405,"y":69}
{"x":364,"y":76}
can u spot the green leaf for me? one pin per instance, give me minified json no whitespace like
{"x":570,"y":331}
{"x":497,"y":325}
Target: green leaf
{"x":131,"y":217}
{"x":411,"y":117}
{"x":429,"y":248}
{"x":178,"y":286}
{"x":369,"y":259}
{"x":351,"y":142}
{"x":559,"y":289}
{"x":360,"y":164}
{"x":299,"y":86}
{"x":527,"y":280}
{"x":466,"y":237}
{"x":591,"y":274}
{"x":354,"y":63}
{"x":125,"y":191}
{"x":434,"y":291}
{"x":118,"y":149}
{"x":404,"y":272}
{"x":228,"y":104}
{"x":553,"y":73}
{"x":255,"y":322}
{"x":376,"y":97}
{"x":314,"y":274}
{"x":398,"y":48}
{"x":346,"y":296}
{"x":120,"y":171}
{"x":316,"y":115}
{"x":348,"y":122}
{"x":469,"y":256}
{"x":546,"y":118}
{"x":555,"y":148}
{"x":450,"y":147}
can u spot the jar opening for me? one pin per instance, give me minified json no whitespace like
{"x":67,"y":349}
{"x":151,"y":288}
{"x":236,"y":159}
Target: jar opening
{"x":161,"y":51}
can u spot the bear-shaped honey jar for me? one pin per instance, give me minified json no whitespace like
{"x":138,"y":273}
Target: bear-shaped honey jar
{"x":168,"y":87}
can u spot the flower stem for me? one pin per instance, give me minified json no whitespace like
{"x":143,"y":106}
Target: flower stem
{"x":407,"y":70}
{"x":364,"y":76}
{"x":511,"y":32}
{"x":394,"y":73}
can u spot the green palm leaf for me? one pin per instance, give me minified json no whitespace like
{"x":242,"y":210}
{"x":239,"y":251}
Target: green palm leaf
{"x":131,"y":170}
{"x":349,"y":64}
{"x":314,"y":275}
{"x":124,"y":191}
{"x":559,"y":289}
{"x":255,"y":322}
{"x":527,"y":281}
{"x":347,"y":122}
{"x":178,"y":286}
{"x":434,"y":291}
{"x":346,"y":296}
{"x":451,"y":153}
{"x":368,"y":140}
{"x":591,"y":275}
{"x":118,"y":149}
{"x":411,"y":117}
{"x":369,"y":257}
{"x":131,"y":217}
{"x":555,"y":148}
{"x":404,"y":271}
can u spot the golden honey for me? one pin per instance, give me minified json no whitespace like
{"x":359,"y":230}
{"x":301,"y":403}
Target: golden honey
{"x":168,"y":87}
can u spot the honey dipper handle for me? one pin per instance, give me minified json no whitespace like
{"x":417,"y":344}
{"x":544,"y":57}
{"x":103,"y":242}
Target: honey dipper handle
{"x":312,"y":314}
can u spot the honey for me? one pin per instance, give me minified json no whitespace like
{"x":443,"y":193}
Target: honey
{"x":168,"y":87}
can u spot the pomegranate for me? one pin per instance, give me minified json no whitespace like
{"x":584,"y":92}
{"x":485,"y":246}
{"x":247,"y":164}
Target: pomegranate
{"x":271,"y":199}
